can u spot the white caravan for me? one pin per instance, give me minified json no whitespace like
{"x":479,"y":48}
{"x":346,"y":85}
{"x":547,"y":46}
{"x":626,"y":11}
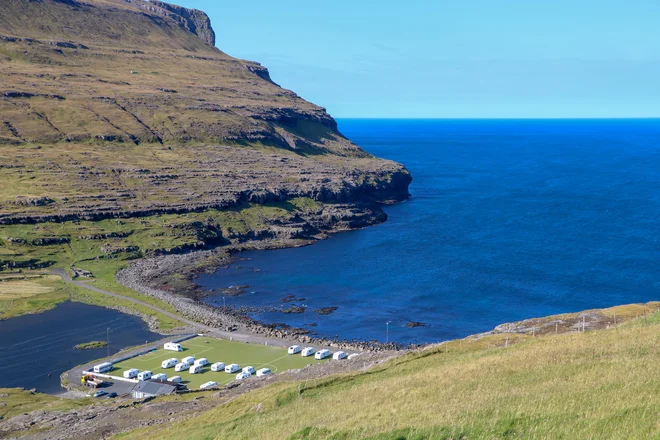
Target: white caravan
{"x":145,"y":375}
{"x":263,"y":372}
{"x":339,"y":355}
{"x":233,"y":368}
{"x":322,"y":354}
{"x":195,"y":369}
{"x":169,"y":363}
{"x":183,"y":366}
{"x":307,"y":351}
{"x":172,"y":346}
{"x":206,"y":385}
{"x":294,"y":349}
{"x":218,"y":366}
{"x":132,"y":373}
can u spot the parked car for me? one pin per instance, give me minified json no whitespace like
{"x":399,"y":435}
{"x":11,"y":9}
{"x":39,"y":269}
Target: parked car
{"x":100,"y":393}
{"x":111,"y":395}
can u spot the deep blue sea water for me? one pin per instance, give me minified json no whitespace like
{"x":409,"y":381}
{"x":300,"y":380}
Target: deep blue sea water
{"x":507,"y":220}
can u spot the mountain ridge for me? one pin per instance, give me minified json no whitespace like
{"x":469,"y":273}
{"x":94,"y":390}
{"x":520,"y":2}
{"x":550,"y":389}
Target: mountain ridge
{"x":113,"y":108}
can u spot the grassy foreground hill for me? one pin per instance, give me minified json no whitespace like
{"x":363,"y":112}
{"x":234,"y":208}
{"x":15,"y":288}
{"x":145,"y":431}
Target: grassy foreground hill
{"x":578,"y":385}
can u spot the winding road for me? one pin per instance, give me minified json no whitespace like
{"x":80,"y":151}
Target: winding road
{"x":84,"y":284}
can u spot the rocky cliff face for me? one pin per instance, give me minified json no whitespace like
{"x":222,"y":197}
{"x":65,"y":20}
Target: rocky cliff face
{"x":192,"y":20}
{"x":116,"y":108}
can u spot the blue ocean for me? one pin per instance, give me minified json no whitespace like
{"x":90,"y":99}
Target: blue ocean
{"x":508,"y":219}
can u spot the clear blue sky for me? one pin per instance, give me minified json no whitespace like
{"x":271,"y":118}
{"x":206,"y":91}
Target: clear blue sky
{"x":453,"y":58}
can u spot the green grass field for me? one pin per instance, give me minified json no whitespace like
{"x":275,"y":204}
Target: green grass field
{"x":216,"y":350}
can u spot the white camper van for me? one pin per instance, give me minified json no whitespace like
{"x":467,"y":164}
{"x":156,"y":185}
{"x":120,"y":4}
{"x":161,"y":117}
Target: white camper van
{"x":339,"y":355}
{"x":294,"y":349}
{"x":172,"y":346}
{"x":169,"y":363}
{"x":248,"y":370}
{"x":159,"y":376}
{"x":307,"y":351}
{"x":322,"y":354}
{"x":195,"y":369}
{"x":218,"y":366}
{"x":102,"y":368}
{"x":145,"y":375}
{"x":175,"y":379}
{"x":131,"y":374}
{"x":233,"y":368}
{"x":263,"y":372}
{"x":206,"y":385}
{"x":183,"y":366}
{"x":202,"y":361}
{"x":189,"y":360}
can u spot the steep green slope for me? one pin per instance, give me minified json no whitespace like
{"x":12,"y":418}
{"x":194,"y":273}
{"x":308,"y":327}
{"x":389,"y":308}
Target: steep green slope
{"x":594,"y":385}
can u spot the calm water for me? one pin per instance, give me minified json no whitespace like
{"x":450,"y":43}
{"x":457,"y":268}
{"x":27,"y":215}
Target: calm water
{"x":507,"y":220}
{"x":34,"y":346}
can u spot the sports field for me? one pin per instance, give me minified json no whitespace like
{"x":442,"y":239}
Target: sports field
{"x":216,"y":350}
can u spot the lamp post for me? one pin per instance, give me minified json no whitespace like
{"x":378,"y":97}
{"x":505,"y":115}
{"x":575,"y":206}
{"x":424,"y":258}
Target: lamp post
{"x":387,"y":332}
{"x":107,"y":340}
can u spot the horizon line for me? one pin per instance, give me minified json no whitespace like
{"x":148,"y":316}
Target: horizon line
{"x":585,"y":118}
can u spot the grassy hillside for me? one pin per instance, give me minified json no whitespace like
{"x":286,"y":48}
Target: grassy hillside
{"x":594,"y":385}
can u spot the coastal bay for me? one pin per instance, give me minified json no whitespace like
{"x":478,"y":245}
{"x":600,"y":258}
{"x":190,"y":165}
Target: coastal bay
{"x":507,"y":220}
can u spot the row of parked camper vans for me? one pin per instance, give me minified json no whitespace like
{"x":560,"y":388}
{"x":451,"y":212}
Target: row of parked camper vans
{"x":321,"y":354}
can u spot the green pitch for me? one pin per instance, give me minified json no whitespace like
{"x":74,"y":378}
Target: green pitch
{"x":216,"y":350}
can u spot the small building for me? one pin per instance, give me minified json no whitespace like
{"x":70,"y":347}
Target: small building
{"x":144,"y":389}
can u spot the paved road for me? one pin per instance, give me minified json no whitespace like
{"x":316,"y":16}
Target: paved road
{"x":84,"y":284}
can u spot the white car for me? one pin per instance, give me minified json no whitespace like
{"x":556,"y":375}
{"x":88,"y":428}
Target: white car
{"x":242,"y":375}
{"x":339,"y":355}
{"x":294,"y":349}
{"x":263,"y":372}
{"x":233,"y":368}
{"x":218,"y":366}
{"x":322,"y":354}
{"x":206,"y":385}
{"x":249,"y":370}
{"x":307,"y":351}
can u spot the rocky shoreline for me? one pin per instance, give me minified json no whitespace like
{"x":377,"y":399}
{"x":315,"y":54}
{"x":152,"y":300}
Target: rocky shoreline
{"x":152,"y":276}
